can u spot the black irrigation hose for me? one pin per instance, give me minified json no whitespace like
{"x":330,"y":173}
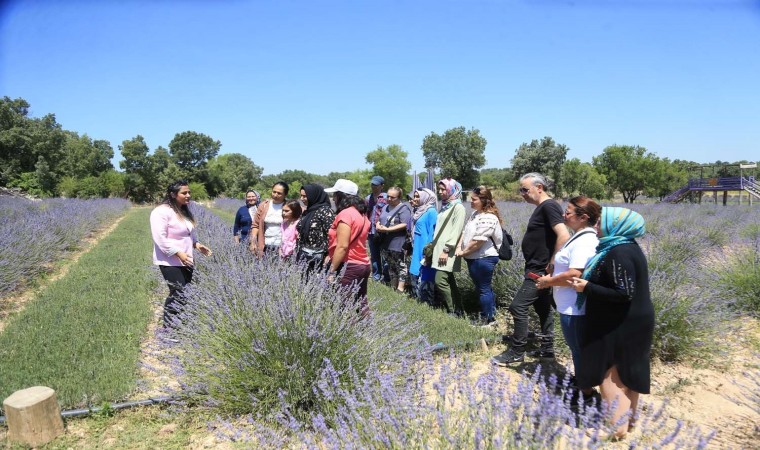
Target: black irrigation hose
{"x":115,"y":406}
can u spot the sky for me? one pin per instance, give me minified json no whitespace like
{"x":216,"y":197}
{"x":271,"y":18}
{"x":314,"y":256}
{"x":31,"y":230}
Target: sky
{"x":315,"y":85}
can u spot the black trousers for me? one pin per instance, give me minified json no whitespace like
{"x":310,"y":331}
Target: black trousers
{"x":176,"y":277}
{"x":541,"y":300}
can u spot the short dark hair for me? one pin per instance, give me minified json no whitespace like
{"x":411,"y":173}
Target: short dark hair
{"x":584,"y":205}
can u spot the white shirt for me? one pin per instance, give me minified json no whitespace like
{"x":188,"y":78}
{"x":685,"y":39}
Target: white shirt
{"x":573,"y":255}
{"x":272,"y":222}
{"x":482,"y":227}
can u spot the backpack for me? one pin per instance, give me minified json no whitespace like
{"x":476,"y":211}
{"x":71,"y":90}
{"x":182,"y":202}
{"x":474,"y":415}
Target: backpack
{"x":505,"y":251}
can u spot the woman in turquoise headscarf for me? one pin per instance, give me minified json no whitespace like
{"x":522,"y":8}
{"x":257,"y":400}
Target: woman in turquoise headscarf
{"x":617,"y":338}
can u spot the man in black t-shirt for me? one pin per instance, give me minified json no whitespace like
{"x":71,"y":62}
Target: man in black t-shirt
{"x":545,"y":235}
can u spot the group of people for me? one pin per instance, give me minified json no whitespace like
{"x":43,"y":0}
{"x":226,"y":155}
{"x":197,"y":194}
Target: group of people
{"x":596,"y":278}
{"x":598,"y":281}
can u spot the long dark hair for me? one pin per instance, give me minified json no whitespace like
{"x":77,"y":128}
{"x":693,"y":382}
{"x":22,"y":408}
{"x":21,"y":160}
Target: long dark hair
{"x":343,"y":201}
{"x":284,"y":186}
{"x":171,"y":199}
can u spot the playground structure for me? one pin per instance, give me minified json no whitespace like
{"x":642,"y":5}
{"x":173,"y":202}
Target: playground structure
{"x":717,"y":184}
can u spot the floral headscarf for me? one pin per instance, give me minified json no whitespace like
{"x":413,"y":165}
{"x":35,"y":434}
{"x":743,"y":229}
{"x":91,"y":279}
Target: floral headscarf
{"x":427,"y":201}
{"x":618,"y":226}
{"x":453,"y":193}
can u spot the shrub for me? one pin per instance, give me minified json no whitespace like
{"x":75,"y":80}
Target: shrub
{"x":738,"y":275}
{"x":198,"y":190}
{"x":258,"y":332}
{"x":447,"y":406}
{"x":34,"y":234}
{"x":230,"y":205}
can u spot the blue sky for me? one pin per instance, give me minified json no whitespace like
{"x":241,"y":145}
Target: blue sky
{"x":317,"y":84}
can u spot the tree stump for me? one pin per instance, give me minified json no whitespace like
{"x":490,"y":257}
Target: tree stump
{"x":33,"y":416}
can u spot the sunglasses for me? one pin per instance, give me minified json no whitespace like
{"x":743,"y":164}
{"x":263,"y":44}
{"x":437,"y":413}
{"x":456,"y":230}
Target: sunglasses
{"x":524,"y":190}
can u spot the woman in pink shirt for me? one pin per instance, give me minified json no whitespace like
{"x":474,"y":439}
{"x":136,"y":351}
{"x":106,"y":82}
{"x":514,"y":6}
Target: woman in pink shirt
{"x":347,"y":240}
{"x":174,"y":238}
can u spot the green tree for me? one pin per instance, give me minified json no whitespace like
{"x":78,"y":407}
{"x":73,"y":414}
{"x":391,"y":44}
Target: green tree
{"x":85,"y":157}
{"x":392,"y":163}
{"x":544,"y":156}
{"x":665,"y":178}
{"x":46,"y":179}
{"x":579,"y":178}
{"x":23,"y":140}
{"x":458,"y":153}
{"x":497,"y":178}
{"x":232,"y":174}
{"x":628,"y":169}
{"x":191,"y":151}
{"x":142,"y":178}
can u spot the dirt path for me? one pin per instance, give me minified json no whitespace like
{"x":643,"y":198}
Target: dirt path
{"x":15,"y":303}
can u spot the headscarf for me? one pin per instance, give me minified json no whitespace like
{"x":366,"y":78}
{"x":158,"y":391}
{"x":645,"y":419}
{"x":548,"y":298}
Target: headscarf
{"x":427,"y":201}
{"x":316,"y":198}
{"x":258,"y":197}
{"x":453,"y":193}
{"x":252,"y":209}
{"x":618,"y":226}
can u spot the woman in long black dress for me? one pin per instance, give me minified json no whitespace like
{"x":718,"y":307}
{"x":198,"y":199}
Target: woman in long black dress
{"x":617,"y":338}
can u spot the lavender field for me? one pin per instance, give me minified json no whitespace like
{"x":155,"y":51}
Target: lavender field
{"x":281,"y":365}
{"x":274,"y":360}
{"x":35,"y":234}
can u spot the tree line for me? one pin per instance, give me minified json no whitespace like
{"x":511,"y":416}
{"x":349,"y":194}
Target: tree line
{"x":41,"y":158}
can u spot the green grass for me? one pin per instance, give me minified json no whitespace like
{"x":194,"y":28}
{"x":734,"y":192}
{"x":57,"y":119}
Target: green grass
{"x":437,"y":326}
{"x":81,"y":335}
{"x":224,"y":215}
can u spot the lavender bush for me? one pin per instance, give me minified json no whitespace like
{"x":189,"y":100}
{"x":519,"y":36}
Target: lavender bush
{"x":256,"y":332}
{"x":737,"y":271}
{"x":34,"y":234}
{"x":702,"y":260}
{"x":445,"y":404}
{"x":230,"y":205}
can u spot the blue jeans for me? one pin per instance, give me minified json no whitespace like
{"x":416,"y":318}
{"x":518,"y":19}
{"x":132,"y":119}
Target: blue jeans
{"x":379,"y":270}
{"x":572,"y":327}
{"x":481,"y":272}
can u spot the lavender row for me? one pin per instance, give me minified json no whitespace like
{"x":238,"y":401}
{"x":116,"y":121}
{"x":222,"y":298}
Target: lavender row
{"x":34,"y":234}
{"x":704,"y":263}
{"x":256,"y":331}
{"x":259,"y":340}
{"x":230,"y":205}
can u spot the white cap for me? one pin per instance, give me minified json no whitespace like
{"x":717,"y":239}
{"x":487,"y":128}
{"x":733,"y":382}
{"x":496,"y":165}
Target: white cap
{"x":344,"y":186}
